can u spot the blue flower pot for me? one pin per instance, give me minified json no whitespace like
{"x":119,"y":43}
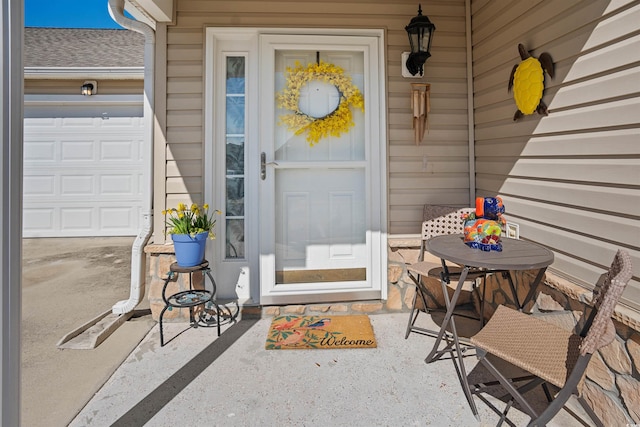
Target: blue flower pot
{"x":189,"y":250}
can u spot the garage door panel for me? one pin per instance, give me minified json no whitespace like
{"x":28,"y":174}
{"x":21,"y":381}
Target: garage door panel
{"x":77,"y":219}
{"x":69,"y":221}
{"x":116,"y":218}
{"x":77,"y":185}
{"x":41,"y":122}
{"x":82,"y":170}
{"x":107,"y":184}
{"x":119,"y":122}
{"x":77,"y":151}
{"x":79,"y":123}
{"x":117,"y":185}
{"x":39,"y":151}
{"x":39,"y":220}
{"x":71,"y":114}
{"x":120,"y":150}
{"x":38,"y":185}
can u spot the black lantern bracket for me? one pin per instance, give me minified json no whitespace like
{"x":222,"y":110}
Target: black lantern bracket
{"x":420,"y":31}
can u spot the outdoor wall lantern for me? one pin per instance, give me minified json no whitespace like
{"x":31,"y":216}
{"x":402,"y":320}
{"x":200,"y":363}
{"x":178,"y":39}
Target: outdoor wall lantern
{"x":89,"y":88}
{"x":420,"y":31}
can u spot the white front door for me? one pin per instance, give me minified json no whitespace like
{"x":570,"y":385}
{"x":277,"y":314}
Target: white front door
{"x":300,"y":223}
{"x":317,"y":196}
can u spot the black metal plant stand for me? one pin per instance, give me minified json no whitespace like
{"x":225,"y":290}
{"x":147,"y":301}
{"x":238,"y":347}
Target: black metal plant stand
{"x":209,"y":315}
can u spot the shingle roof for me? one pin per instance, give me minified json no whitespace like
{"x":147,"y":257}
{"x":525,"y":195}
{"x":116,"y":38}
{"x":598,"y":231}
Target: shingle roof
{"x":75,"y":47}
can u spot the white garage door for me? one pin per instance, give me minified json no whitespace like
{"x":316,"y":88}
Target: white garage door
{"x":82,"y":167}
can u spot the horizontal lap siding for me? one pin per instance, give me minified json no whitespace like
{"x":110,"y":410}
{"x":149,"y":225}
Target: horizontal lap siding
{"x":445,"y":178}
{"x":437,"y":170}
{"x":570,"y":180}
{"x":185,"y":131}
{"x":72,"y":87}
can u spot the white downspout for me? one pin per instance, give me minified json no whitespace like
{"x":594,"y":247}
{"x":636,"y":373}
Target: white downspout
{"x":138,"y":272}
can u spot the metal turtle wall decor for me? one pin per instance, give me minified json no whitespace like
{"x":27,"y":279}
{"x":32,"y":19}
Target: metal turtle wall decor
{"x":527,"y":82}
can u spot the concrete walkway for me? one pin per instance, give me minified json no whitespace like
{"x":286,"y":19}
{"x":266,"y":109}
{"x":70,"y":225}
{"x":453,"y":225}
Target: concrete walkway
{"x":200,"y":379}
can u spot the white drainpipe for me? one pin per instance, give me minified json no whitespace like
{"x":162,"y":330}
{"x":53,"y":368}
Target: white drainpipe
{"x":138,"y":271}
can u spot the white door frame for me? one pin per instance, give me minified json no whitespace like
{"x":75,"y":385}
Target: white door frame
{"x":236,"y":279}
{"x":245,"y":41}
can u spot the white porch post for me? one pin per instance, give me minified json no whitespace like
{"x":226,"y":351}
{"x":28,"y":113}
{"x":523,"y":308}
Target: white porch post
{"x":11,"y":118}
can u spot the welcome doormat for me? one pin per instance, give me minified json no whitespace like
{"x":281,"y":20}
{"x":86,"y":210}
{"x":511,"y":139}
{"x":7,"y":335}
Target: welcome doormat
{"x":308,"y":332}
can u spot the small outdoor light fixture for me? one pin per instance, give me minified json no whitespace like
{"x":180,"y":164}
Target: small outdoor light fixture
{"x":89,"y":88}
{"x":420,"y":31}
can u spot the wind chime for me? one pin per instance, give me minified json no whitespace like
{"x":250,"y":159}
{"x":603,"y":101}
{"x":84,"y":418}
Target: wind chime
{"x":421,"y":106}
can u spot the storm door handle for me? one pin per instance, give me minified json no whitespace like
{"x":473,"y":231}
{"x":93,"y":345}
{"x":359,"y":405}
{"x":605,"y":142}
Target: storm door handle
{"x":263,"y":165}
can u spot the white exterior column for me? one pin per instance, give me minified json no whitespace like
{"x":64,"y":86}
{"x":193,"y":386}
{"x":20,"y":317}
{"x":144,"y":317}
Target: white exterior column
{"x":11,"y":118}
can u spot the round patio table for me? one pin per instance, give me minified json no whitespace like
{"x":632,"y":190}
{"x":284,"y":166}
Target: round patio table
{"x":515,"y":255}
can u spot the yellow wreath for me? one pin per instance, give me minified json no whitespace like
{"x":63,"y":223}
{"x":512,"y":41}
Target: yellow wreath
{"x":335,"y":123}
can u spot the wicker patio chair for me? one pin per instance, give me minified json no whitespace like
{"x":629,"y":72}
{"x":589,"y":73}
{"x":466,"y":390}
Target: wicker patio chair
{"x":426,"y":275}
{"x":551,"y":354}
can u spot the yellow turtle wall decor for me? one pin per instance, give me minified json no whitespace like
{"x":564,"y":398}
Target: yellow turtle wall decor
{"x":527,"y":81}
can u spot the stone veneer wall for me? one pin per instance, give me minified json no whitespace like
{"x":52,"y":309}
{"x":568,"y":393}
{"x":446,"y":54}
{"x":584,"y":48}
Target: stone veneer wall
{"x":612,"y":386}
{"x":162,"y":256}
{"x":160,"y":259}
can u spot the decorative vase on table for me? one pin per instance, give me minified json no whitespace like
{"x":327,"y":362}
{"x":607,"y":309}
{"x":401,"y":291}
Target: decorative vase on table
{"x":189,"y":250}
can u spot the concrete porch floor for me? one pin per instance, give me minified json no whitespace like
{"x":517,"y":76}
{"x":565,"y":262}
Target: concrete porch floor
{"x":129,"y":380}
{"x":200,"y":379}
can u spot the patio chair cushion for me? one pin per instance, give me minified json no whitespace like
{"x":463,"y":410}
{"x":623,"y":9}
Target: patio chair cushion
{"x":539,"y":347}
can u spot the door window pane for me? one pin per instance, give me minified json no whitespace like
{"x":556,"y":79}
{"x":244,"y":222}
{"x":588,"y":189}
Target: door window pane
{"x":235,"y":75}
{"x":235,"y":114}
{"x":235,"y":197}
{"x":235,"y":238}
{"x":317,"y":100}
{"x":234,"y":156}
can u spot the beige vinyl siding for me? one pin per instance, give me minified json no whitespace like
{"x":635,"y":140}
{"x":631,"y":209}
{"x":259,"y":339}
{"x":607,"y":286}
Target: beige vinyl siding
{"x":72,"y":87}
{"x":184,"y":123}
{"x":570,"y":180}
{"x":446,"y":178}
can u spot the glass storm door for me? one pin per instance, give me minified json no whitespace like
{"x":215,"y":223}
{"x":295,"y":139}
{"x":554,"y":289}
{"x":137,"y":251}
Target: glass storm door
{"x":315,"y":197}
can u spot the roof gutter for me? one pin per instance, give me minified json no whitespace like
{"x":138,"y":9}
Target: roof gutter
{"x":138,"y":257}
